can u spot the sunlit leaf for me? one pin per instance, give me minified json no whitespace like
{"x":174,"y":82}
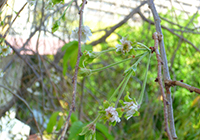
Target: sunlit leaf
{"x":55,"y":26}
{"x":52,"y":122}
{"x":75,"y":129}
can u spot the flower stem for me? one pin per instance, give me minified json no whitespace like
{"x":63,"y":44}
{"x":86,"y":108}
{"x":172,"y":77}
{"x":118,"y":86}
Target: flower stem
{"x":144,"y":83}
{"x":117,"y":89}
{"x":66,"y":10}
{"x":96,"y":70}
{"x":144,"y":46}
{"x":123,"y":87}
{"x":97,"y":118}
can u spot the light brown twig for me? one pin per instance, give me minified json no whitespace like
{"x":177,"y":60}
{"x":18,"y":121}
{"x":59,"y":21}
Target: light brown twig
{"x":72,"y":107}
{"x":181,"y":84}
{"x":159,"y":79}
{"x":166,"y":75}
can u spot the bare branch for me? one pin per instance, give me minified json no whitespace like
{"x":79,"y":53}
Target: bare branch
{"x":159,"y":80}
{"x":14,"y":19}
{"x":165,"y":67}
{"x":108,"y":33}
{"x":72,"y":107}
{"x":184,"y":85}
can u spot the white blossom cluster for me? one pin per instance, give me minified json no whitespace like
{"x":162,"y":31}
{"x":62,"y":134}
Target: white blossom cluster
{"x":85,"y":33}
{"x":130,"y":109}
{"x":5,"y":50}
{"x":112,"y":114}
{"x":125,"y":46}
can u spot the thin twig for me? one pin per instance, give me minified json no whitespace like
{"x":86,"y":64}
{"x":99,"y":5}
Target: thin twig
{"x":159,"y":80}
{"x":14,"y":19}
{"x":72,"y":107}
{"x":166,"y":75}
{"x":184,"y":85}
{"x":112,"y":29}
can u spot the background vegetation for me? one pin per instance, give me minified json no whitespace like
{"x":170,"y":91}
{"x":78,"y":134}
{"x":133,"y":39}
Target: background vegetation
{"x":51,"y":102}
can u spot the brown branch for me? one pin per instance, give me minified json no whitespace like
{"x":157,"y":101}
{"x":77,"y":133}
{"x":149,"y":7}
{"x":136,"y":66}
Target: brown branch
{"x":159,"y":79}
{"x":72,"y":107}
{"x":108,"y":33}
{"x":165,"y":68}
{"x":181,"y":84}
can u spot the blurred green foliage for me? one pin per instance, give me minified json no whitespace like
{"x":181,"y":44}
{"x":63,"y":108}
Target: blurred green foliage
{"x":183,"y":62}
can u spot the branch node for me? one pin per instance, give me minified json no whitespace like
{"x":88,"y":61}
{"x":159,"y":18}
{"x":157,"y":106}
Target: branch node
{"x":160,"y":36}
{"x":156,"y":80}
{"x":152,"y":49}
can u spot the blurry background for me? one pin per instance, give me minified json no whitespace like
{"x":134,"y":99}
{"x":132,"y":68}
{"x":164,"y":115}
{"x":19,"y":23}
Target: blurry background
{"x":34,"y":71}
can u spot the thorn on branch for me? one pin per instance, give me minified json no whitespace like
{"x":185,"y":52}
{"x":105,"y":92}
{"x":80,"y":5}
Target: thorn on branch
{"x":156,"y":80}
{"x":181,"y":80}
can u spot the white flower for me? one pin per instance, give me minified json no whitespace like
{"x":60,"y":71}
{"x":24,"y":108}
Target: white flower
{"x":112,"y":114}
{"x":37,"y":84}
{"x":36,"y":93}
{"x":5,"y":50}
{"x":85,"y":33}
{"x":29,"y":90}
{"x":1,"y":73}
{"x":130,"y":109}
{"x":125,"y":47}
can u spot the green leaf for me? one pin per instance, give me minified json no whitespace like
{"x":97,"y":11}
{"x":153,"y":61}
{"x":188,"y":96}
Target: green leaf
{"x":73,"y":118}
{"x":68,"y":45}
{"x":73,"y":58}
{"x":86,"y":47}
{"x":71,"y":50}
{"x":102,"y":128}
{"x":127,"y":98}
{"x":120,"y":112}
{"x":60,"y":123}
{"x":52,"y":122}
{"x":55,"y":26}
{"x":106,"y":104}
{"x":136,"y":114}
{"x":57,"y":1}
{"x":75,"y":129}
{"x":2,"y":23}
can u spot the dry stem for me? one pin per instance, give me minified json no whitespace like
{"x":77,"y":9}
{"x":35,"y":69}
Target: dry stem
{"x":159,"y":78}
{"x":184,"y":85}
{"x":72,"y":107}
{"x":166,"y":75}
